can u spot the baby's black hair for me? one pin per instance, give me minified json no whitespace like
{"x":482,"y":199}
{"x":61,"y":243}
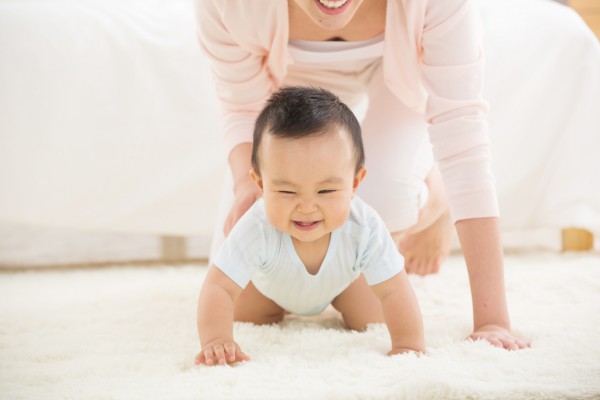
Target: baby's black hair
{"x":297,"y":112}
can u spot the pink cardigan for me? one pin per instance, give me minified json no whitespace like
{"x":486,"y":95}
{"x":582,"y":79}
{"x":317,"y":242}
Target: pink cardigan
{"x":432,"y":62}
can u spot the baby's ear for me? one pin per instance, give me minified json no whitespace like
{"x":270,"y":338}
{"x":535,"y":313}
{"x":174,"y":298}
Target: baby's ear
{"x":360,"y":175}
{"x":256,"y":179}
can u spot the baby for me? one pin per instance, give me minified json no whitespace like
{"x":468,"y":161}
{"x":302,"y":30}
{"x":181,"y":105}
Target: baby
{"x":309,"y":241}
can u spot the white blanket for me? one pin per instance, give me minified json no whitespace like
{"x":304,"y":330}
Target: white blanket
{"x":129,"y":333}
{"x":107,"y":116}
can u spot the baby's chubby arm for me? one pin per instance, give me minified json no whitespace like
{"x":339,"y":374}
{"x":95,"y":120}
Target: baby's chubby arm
{"x":215,"y":320}
{"x":402,"y":314}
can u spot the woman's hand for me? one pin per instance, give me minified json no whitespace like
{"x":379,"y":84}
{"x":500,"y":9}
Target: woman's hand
{"x":499,"y":337}
{"x":245,"y":190}
{"x":246,"y":194}
{"x":220,"y":352}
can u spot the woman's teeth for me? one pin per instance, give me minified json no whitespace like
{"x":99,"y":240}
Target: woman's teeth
{"x":333,"y":4}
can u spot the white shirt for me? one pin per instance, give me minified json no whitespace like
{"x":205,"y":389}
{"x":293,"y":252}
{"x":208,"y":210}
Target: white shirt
{"x":323,"y":52}
{"x":255,"y":250}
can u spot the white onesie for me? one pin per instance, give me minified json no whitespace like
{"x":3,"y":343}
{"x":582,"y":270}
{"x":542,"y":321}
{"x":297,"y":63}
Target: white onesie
{"x":257,"y":251}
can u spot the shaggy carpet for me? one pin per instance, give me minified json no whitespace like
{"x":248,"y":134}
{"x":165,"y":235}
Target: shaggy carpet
{"x":129,"y":333}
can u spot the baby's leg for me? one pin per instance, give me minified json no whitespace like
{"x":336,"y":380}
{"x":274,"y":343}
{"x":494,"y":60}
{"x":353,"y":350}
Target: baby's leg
{"x":359,"y":305}
{"x":253,"y":306}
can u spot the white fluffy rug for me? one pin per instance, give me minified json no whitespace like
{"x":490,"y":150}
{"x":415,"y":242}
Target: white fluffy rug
{"x":129,"y":333}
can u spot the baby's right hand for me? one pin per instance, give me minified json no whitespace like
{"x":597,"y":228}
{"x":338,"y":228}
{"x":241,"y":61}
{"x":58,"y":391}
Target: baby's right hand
{"x":219,"y":352}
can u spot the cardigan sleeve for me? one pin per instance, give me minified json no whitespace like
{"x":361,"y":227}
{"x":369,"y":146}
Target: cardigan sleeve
{"x":241,"y":75}
{"x":452,"y":73}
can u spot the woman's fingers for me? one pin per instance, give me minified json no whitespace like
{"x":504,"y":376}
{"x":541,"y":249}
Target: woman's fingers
{"x":500,"y":337}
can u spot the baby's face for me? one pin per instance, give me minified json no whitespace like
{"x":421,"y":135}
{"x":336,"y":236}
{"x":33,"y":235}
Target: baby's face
{"x":308,"y":183}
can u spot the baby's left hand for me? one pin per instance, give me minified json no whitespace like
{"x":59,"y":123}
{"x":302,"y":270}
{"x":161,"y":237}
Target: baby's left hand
{"x":499,"y":337}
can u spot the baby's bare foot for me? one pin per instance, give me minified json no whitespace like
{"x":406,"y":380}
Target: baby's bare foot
{"x":426,"y":250}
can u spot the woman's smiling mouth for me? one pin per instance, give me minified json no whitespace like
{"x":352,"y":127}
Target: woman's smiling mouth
{"x":333,"y":7}
{"x":333,"y":4}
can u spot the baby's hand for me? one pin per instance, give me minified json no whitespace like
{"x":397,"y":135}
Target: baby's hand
{"x":403,"y":350}
{"x":220,"y":352}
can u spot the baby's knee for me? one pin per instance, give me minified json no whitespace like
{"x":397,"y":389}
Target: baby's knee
{"x":259,"y":319}
{"x":359,"y":326}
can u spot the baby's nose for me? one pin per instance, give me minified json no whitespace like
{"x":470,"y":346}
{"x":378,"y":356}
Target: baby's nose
{"x":307,"y":205}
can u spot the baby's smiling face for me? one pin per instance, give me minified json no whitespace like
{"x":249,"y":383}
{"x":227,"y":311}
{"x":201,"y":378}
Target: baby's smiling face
{"x":308,"y":182}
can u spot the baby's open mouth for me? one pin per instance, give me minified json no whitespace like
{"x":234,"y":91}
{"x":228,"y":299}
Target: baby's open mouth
{"x":306,"y":226}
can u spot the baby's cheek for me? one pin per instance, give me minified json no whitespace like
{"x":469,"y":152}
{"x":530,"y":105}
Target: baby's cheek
{"x":340,"y":216}
{"x":278,"y":214}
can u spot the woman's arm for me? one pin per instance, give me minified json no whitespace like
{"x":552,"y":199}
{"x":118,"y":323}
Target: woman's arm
{"x":452,"y":71}
{"x":243,"y":83}
{"x":480,"y":240}
{"x":233,"y":35}
{"x":244,"y":189}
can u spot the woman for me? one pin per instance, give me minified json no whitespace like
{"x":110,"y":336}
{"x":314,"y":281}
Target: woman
{"x":419,"y":64}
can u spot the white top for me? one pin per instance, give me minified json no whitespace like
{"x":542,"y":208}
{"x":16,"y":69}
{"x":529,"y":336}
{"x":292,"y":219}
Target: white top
{"x":257,"y":251}
{"x":309,"y":51}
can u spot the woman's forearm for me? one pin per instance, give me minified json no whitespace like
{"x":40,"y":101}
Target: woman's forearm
{"x":240,"y":164}
{"x":482,"y":248}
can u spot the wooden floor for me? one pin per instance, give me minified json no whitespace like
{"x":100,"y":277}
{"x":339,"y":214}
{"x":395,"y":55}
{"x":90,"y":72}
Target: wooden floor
{"x":590,"y":12}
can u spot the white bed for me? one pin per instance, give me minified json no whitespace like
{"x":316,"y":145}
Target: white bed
{"x":108,"y":120}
